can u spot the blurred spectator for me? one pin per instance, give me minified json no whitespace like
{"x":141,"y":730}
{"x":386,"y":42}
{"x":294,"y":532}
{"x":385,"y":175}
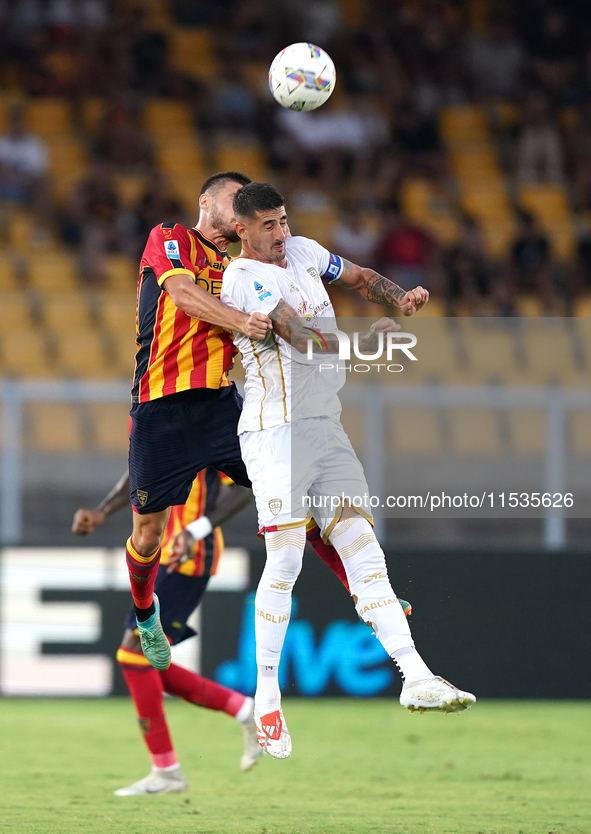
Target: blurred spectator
{"x":156,"y":205}
{"x":353,"y":238}
{"x":406,"y":253}
{"x":97,"y":221}
{"x":233,"y":105}
{"x":468,"y":270}
{"x":121,"y":141}
{"x":552,"y":49}
{"x":149,"y":51}
{"x":539,"y":150}
{"x":529,"y":269}
{"x":417,"y":139}
{"x":496,"y":60}
{"x":580,"y":153}
{"x":23,"y":167}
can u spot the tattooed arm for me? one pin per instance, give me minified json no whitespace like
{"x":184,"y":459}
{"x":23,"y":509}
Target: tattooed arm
{"x":380,"y":290}
{"x":293,"y":328}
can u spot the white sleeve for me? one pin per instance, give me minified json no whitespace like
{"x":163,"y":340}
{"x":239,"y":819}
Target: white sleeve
{"x":250,"y":293}
{"x":330,"y":267}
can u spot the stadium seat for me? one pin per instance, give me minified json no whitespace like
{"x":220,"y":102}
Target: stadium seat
{"x":24,"y":353}
{"x":192,"y":51}
{"x":117,"y":312}
{"x":549,"y":203}
{"x":475,"y":432}
{"x":92,"y":113}
{"x":549,"y":352}
{"x":83,"y":354}
{"x":406,"y":423}
{"x":15,"y":312}
{"x":109,"y":427}
{"x":429,"y":207}
{"x":130,"y":187}
{"x":248,"y":158}
{"x":463,"y":123}
{"x":67,"y":312}
{"x":186,"y":188}
{"x":49,"y":117}
{"x":180,"y":156}
{"x":580,"y":433}
{"x":122,"y":271}
{"x":491,"y":353}
{"x":437,"y":352}
{"x":583,"y":306}
{"x":67,"y":164}
{"x":56,"y":428}
{"x":8,"y":280}
{"x":52,"y":272}
{"x":527,"y":431}
{"x":163,"y":117}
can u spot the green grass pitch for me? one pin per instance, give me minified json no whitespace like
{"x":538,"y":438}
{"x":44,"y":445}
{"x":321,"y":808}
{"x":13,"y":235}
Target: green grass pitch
{"x":358,"y":767}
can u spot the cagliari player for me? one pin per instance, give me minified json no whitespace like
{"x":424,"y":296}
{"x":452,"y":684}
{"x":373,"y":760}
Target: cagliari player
{"x":276,"y":275}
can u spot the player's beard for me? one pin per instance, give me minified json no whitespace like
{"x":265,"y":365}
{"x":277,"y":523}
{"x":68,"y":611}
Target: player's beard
{"x":227,"y":230}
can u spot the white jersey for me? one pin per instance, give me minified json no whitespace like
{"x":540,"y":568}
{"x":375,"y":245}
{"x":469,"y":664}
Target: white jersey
{"x":276,"y":375}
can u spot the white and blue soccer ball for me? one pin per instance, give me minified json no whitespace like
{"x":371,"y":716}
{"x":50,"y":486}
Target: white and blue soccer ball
{"x":302,"y":77}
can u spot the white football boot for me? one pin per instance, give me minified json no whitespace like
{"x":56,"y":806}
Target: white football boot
{"x":272,"y":732}
{"x":435,"y":694}
{"x":157,"y":781}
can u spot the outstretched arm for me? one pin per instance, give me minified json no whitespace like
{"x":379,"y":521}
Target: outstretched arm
{"x":381,"y":290}
{"x":85,"y":521}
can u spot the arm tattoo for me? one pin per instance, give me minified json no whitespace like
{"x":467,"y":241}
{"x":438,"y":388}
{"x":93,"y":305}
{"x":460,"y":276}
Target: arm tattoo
{"x":294,"y":330}
{"x":380,"y":290}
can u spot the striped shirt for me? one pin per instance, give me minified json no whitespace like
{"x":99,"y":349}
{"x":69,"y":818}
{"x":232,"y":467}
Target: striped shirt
{"x":174,"y":351}
{"x":200,"y":502}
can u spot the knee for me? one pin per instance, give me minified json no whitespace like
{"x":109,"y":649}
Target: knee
{"x":147,"y":537}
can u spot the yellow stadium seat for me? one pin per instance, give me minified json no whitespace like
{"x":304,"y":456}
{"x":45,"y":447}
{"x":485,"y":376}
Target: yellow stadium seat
{"x":192,"y":52}
{"x":431,"y":208}
{"x":92,"y":114}
{"x":25,"y":353}
{"x":118,"y":312}
{"x":55,"y":427}
{"x":8,"y":280}
{"x":124,"y":347}
{"x":247,"y":158}
{"x":186,"y":188}
{"x":475,"y":432}
{"x":318,"y":225}
{"x":84,"y":355}
{"x":15,"y":313}
{"x":580,"y":432}
{"x":549,"y":352}
{"x":163,"y":117}
{"x":463,"y":123}
{"x":67,"y":165}
{"x":49,"y":117}
{"x":406,"y":423}
{"x":67,"y":312}
{"x":122,"y":271}
{"x":583,"y":306}
{"x":21,"y":230}
{"x":491,"y":353}
{"x":130,"y":188}
{"x":549,"y":203}
{"x":438,"y":358}
{"x":180,"y":155}
{"x":52,"y":272}
{"x":110,"y":427}
{"x":527,"y":431}
{"x":498,"y":237}
{"x":486,"y":200}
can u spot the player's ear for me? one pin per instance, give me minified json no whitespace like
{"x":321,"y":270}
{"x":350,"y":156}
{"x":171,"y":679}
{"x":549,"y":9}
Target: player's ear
{"x":204,"y":203}
{"x":240,"y":229}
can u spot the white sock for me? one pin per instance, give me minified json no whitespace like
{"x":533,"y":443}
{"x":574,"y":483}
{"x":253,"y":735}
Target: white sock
{"x":285,"y":549}
{"x":166,"y":769}
{"x":244,"y":714}
{"x":365,"y":566}
{"x":412,"y":666}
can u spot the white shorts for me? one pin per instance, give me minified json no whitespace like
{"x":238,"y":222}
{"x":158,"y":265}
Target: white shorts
{"x":304,"y":469}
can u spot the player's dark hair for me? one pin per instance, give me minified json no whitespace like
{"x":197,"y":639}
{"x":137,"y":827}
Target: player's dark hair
{"x":223,"y":177}
{"x":257,"y":196}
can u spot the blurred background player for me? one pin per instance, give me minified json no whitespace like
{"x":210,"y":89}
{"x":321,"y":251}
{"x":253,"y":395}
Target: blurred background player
{"x":191,"y":548}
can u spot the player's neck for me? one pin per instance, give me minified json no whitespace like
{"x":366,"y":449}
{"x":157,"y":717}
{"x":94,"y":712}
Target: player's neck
{"x":212,"y":234}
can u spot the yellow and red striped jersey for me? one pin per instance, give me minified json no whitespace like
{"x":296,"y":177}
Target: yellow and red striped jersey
{"x":200,"y":502}
{"x":174,"y":351}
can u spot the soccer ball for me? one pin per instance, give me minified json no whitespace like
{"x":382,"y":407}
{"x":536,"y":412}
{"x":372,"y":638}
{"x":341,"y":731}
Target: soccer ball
{"x":302,"y":77}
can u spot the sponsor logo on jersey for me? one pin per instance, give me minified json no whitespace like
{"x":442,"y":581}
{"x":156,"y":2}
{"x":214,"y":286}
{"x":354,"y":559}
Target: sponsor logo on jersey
{"x":380,"y":575}
{"x":281,"y":586}
{"x":261,"y":291}
{"x":275,"y":505}
{"x":311,"y":271}
{"x":171,"y":248}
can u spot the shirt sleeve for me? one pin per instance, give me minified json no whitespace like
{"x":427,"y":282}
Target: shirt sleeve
{"x":168,"y":252}
{"x":330,"y":267}
{"x":250,"y":293}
